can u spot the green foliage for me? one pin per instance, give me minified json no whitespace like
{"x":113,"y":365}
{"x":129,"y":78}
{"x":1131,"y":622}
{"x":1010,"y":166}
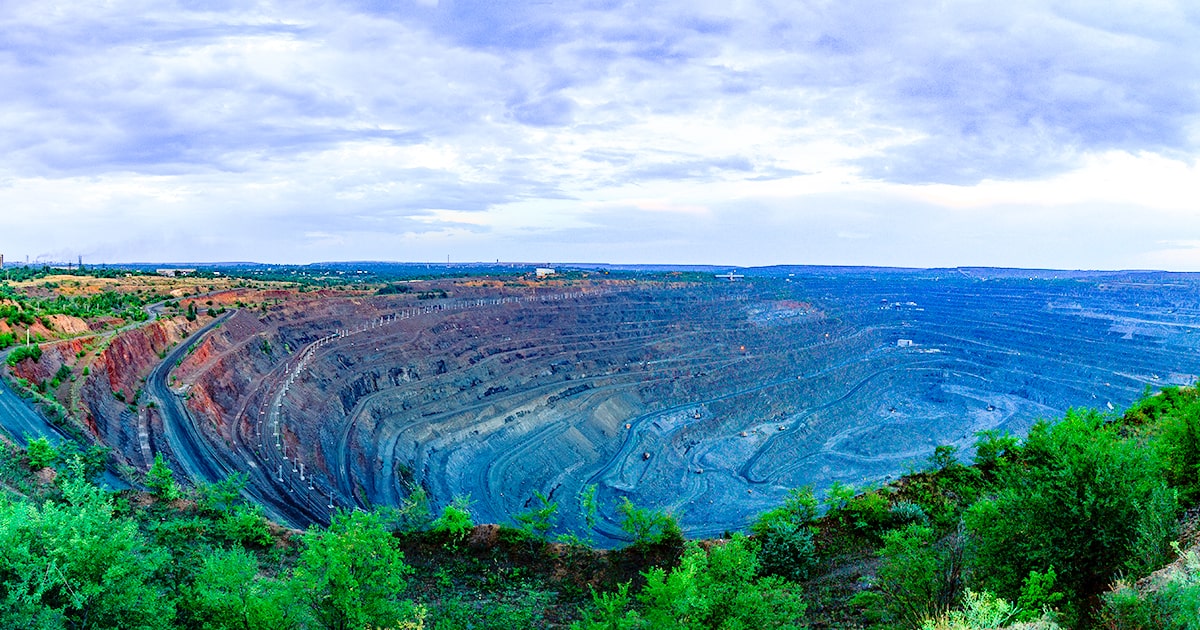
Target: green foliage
{"x":838,"y":495}
{"x":905,"y":513}
{"x":799,"y":508}
{"x":589,"y":505}
{"x":788,"y":550}
{"x":648,"y":528}
{"x":7,"y":339}
{"x":983,"y":611}
{"x":233,"y":519}
{"x":41,"y":453}
{"x":76,"y":566}
{"x":995,"y":449}
{"x":1172,"y":604}
{"x":244,"y":525}
{"x":610,"y":611}
{"x":160,"y":480}
{"x":229,"y":592}
{"x":1177,"y":424}
{"x":1038,"y":595}
{"x":63,"y":373}
{"x":412,"y":515}
{"x":539,"y":519}
{"x":32,"y":351}
{"x":718,"y":589}
{"x":457,"y":613}
{"x":220,"y":497}
{"x":919,"y":575}
{"x":944,"y":456}
{"x":868,"y":513}
{"x":455,"y":522}
{"x":351,"y":575}
{"x":1085,"y":502}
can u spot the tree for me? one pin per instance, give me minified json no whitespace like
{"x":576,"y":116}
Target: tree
{"x":161,"y":480}
{"x":352,"y":574}
{"x":229,"y":594}
{"x":648,"y":528}
{"x":540,"y":519}
{"x":1089,"y":502}
{"x":718,"y":589}
{"x":41,"y":453}
{"x":76,"y":566}
{"x":919,"y":575}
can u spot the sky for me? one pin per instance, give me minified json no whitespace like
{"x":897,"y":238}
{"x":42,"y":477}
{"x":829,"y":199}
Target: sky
{"x":740,"y":132}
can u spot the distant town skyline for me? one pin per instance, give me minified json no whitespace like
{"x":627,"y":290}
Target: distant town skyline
{"x":1060,"y":135}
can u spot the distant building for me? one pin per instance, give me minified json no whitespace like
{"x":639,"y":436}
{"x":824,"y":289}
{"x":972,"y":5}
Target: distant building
{"x":904,"y":343}
{"x":171,"y":273}
{"x":544,"y":272}
{"x":732,"y":277}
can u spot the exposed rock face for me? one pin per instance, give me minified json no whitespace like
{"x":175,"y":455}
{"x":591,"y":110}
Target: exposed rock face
{"x":709,"y":400}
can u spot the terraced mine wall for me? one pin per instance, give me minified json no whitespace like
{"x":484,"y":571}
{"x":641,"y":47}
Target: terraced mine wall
{"x":710,"y":400}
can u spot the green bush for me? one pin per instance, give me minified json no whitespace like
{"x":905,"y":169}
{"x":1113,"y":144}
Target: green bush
{"x":539,"y":519}
{"x":648,"y":528}
{"x":455,"y":522}
{"x":412,"y":515}
{"x":905,"y":513}
{"x":33,"y":351}
{"x":799,"y":508}
{"x":1172,"y":604}
{"x":788,"y":550}
{"x":75,"y":565}
{"x":1178,"y":441}
{"x":41,"y":453}
{"x":352,"y":575}
{"x":230,"y":592}
{"x":160,"y":480}
{"x":919,"y":576}
{"x":1088,"y":502}
{"x":718,"y":589}
{"x":983,"y":611}
{"x":994,"y":449}
{"x":244,"y":525}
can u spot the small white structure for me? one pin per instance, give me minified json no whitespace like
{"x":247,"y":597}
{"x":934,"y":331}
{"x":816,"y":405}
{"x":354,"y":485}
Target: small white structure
{"x":171,"y":273}
{"x":904,"y":343}
{"x":544,"y":272}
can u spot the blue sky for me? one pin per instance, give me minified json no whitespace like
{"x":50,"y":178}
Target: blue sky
{"x":1044,"y":134}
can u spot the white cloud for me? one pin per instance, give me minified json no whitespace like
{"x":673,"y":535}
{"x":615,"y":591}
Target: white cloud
{"x":767,"y":131}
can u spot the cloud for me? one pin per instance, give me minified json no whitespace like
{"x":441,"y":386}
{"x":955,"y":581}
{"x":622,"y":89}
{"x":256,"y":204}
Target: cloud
{"x":512,"y":126}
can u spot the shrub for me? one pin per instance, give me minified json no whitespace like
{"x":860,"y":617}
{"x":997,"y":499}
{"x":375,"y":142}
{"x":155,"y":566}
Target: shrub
{"x":788,"y":550}
{"x":412,"y":515}
{"x":718,"y":589}
{"x":1088,"y":502}
{"x":538,"y":520}
{"x":1173,"y":604}
{"x":160,"y":480}
{"x":244,"y":525}
{"x":919,"y":575}
{"x":41,"y":453}
{"x":983,"y":611}
{"x":799,"y":508}
{"x":994,"y":449}
{"x":25,"y":352}
{"x":648,"y":528}
{"x":455,"y":521}
{"x":352,"y":574}
{"x":905,"y":513}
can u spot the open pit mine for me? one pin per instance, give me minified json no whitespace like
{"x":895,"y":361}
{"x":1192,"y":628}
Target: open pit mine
{"x":708,"y":398}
